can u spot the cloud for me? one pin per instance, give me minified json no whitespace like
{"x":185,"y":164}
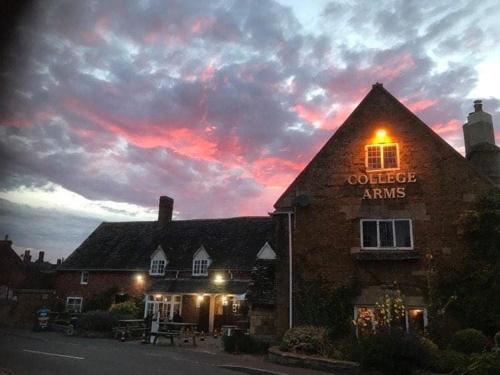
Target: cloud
{"x":218,"y":104}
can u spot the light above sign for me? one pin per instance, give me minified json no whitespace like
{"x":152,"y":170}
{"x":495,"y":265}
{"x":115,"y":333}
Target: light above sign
{"x":381,"y":137}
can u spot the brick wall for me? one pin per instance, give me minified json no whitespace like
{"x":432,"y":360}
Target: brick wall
{"x":68,"y":283}
{"x":327,"y":231}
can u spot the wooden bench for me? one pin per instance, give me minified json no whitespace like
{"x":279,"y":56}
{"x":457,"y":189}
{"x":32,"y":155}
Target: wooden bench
{"x":169,"y":334}
{"x":128,"y":328}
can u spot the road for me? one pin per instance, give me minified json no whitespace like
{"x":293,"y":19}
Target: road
{"x":25,"y":352}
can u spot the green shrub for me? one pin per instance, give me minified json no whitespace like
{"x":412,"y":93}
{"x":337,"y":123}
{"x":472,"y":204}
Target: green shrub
{"x":240,"y":343}
{"x":306,"y":339}
{"x":484,"y":364}
{"x":100,"y":321}
{"x":128,"y":308}
{"x":445,"y":361}
{"x":392,"y":353}
{"x":468,"y":341}
{"x":101,"y":301}
{"x":344,"y":349}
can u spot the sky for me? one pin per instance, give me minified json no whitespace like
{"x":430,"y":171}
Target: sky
{"x":105,"y":106}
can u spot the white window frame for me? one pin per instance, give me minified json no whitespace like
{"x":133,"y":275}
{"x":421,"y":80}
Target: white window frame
{"x":381,"y":148}
{"x":84,"y":278}
{"x":155,"y":304}
{"x":155,"y":267}
{"x":378,"y":247}
{"x":198,"y":271}
{"x":80,"y":305}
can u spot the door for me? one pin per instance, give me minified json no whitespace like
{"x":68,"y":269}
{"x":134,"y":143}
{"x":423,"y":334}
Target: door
{"x":203,"y":320}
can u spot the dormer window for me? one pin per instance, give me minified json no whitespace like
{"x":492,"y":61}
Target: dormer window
{"x":159,"y":262}
{"x":158,"y":267}
{"x":201,"y":262}
{"x":266,"y":252}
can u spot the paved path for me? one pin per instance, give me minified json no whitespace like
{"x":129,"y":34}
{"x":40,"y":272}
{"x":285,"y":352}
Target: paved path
{"x":25,"y":352}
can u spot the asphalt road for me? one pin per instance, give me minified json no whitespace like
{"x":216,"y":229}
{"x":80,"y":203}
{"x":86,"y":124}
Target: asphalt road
{"x":25,"y":352}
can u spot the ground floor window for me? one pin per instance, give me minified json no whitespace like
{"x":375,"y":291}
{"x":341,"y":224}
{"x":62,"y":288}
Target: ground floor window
{"x":74,"y":304}
{"x":386,"y":234}
{"x":366,"y":318}
{"x":165,"y":305}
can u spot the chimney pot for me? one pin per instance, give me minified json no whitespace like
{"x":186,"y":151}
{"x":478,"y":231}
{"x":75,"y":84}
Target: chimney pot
{"x":478,"y":105}
{"x":165,"y":209}
{"x":6,"y":237}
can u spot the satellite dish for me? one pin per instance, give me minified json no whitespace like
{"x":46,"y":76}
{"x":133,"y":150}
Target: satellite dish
{"x":303,"y":200}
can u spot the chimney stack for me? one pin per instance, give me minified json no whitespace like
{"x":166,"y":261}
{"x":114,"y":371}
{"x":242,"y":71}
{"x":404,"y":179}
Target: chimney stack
{"x":59,"y":261}
{"x":27,"y":256}
{"x":41,"y":254}
{"x":165,"y":210}
{"x":478,"y":129}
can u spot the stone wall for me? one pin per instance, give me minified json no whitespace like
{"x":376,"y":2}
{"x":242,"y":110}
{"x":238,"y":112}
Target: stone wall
{"x":326,"y":235}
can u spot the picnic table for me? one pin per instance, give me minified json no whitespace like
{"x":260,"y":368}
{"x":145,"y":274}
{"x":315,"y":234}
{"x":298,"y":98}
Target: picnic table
{"x":128,"y":327}
{"x":174,"y":329}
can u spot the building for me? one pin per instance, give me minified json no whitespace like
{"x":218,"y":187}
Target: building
{"x":12,"y":272}
{"x":378,"y":203}
{"x":198,"y":268}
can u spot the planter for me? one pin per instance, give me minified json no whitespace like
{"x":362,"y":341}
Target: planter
{"x":313,"y":362}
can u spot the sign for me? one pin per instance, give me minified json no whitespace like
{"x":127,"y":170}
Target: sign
{"x":383,"y":192}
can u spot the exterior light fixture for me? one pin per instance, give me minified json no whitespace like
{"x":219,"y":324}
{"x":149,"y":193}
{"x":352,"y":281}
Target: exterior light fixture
{"x":139,"y":279}
{"x":158,"y":297}
{"x":224,"y":301}
{"x":219,"y":279}
{"x":381,"y":137}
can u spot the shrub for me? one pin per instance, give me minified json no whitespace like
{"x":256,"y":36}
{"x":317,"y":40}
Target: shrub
{"x":394,"y":353}
{"x":344,"y":349}
{"x":100,"y":321}
{"x":243,"y":344}
{"x":484,"y":364}
{"x":445,"y":361}
{"x":468,"y":341}
{"x":306,"y":339}
{"x":128,"y":308}
{"x":101,"y":301}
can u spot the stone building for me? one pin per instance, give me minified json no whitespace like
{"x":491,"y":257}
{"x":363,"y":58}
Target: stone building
{"x":378,"y":203}
{"x":198,"y":268}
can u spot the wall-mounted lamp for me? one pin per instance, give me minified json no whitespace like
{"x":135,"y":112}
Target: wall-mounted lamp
{"x":139,"y":279}
{"x":381,"y":137}
{"x":219,"y":279}
{"x":224,"y":301}
{"x":199,"y":300}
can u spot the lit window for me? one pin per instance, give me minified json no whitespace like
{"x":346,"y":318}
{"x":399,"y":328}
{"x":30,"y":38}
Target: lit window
{"x":157,"y":267}
{"x":84,"y":277}
{"x":200,"y":267}
{"x":368,"y":318}
{"x":383,"y":234}
{"x":382,"y":156}
{"x":74,"y":304}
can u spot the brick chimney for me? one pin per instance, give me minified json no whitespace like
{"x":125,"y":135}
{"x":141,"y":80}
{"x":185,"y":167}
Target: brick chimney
{"x":27,"y":256}
{"x":41,"y":254}
{"x":165,"y":210}
{"x":478,"y":128}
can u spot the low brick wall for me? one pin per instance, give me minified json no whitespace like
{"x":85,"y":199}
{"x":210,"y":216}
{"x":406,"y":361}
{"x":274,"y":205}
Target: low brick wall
{"x":316,"y":363}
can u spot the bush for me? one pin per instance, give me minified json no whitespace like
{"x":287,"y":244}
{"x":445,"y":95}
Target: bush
{"x":394,"y":353}
{"x":101,"y":301}
{"x":445,"y":361}
{"x":128,"y":308}
{"x":468,"y":341}
{"x":100,"y":321}
{"x":344,"y":349}
{"x":244,"y":344}
{"x":484,"y":364}
{"x":306,"y":339}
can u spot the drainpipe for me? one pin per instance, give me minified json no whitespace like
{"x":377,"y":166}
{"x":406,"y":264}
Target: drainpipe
{"x":290,"y":264}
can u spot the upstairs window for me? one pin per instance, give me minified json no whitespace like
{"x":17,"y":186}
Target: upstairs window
{"x":382,"y":156}
{"x":84,"y":278}
{"x":157,"y":267}
{"x":387,"y":234}
{"x":200,"y":267}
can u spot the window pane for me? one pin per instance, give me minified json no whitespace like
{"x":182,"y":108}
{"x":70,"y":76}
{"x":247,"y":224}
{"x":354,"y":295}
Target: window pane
{"x":416,"y":320}
{"x":369,"y":234}
{"x":390,"y":156}
{"x":373,"y":157}
{"x":403,"y":236}
{"x":386,"y":235}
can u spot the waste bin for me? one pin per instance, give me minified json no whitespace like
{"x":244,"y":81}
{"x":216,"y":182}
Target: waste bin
{"x":42,"y":320}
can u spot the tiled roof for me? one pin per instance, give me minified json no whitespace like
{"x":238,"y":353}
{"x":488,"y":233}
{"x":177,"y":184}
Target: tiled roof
{"x":198,"y":286}
{"x":231,"y":243}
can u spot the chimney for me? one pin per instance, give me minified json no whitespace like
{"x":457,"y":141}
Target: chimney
{"x":165,"y":210}
{"x":59,"y":261}
{"x":478,"y":129}
{"x":27,"y":256}
{"x":41,"y":254}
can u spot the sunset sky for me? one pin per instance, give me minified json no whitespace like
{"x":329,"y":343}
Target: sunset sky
{"x":107,"y":105}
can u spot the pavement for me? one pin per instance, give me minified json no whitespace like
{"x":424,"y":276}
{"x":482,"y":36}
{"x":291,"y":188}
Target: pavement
{"x":26,"y":352}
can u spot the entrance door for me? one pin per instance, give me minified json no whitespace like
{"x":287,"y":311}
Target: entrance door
{"x":203,"y":321}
